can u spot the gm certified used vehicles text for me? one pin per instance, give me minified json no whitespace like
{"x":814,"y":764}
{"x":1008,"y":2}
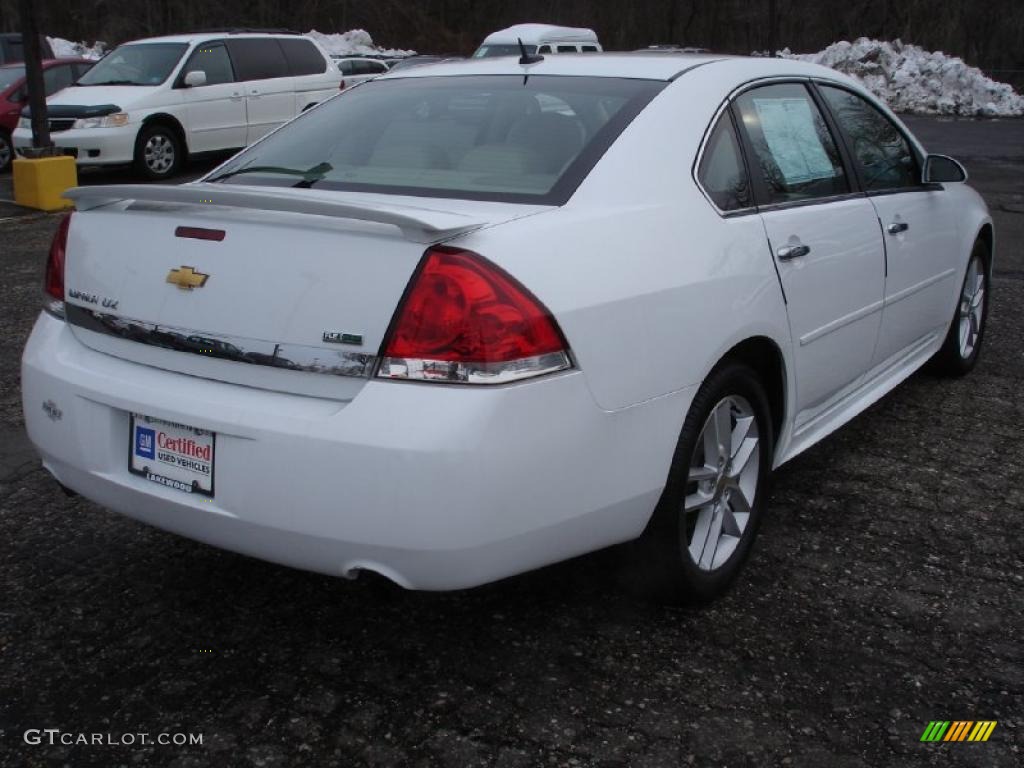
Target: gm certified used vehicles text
{"x":469,"y":319}
{"x":154,"y":102}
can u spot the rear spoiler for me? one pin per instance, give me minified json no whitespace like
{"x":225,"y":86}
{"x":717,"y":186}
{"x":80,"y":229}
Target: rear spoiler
{"x":424,"y":225}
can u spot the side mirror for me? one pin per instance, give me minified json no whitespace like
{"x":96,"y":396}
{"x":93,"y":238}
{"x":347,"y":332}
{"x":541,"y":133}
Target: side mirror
{"x":941,"y":168}
{"x":195,"y":78}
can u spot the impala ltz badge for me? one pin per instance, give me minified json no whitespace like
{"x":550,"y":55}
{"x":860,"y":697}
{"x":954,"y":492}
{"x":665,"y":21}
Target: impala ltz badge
{"x":50,"y":409}
{"x":187,"y":278}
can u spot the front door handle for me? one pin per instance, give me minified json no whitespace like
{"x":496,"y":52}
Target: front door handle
{"x":787,"y":252}
{"x":896,"y":227}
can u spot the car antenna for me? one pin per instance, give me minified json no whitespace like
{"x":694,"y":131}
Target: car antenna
{"x":527,"y":58}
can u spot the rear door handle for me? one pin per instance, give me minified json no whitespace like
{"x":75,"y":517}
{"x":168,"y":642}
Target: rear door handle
{"x":896,"y":227}
{"x":787,"y":252}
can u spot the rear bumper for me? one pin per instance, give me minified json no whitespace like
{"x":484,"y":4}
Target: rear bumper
{"x":90,"y":146}
{"x":435,"y":487}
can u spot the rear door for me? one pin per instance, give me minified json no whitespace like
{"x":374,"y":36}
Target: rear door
{"x":268,"y":87}
{"x":313,"y":75}
{"x":824,"y":237}
{"x":215,"y":112}
{"x":922,"y":263}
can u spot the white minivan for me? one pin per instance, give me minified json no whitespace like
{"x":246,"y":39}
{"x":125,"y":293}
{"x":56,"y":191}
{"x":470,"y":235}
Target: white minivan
{"x":538,"y":38}
{"x":154,"y":102}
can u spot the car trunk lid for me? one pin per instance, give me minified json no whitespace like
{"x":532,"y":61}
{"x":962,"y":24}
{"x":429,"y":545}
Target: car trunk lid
{"x":290,"y":290}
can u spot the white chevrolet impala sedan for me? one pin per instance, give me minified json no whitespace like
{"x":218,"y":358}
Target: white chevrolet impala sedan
{"x":466,"y":320}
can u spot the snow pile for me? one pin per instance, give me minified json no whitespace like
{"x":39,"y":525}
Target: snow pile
{"x":65,"y":48}
{"x":911,"y":79}
{"x":355,"y":42}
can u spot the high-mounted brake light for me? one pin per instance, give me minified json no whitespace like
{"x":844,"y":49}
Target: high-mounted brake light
{"x":465,"y":320}
{"x":53,"y":283}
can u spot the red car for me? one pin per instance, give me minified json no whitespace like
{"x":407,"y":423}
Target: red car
{"x":57,"y":74}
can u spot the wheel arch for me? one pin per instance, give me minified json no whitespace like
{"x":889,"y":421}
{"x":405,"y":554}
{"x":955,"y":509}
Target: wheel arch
{"x":163,"y":118}
{"x":765,"y":357}
{"x":987,"y":235}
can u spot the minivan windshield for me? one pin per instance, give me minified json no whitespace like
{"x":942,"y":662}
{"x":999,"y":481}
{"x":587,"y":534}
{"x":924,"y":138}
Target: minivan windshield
{"x":495,"y":137}
{"x":135,"y":64}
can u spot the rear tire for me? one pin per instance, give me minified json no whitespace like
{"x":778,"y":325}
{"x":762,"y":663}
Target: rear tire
{"x":705,"y":523}
{"x":158,"y":152}
{"x":6,"y":151}
{"x":959,"y":352}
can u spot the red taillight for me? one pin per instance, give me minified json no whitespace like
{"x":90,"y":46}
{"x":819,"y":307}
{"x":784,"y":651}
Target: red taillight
{"x":53,"y":283}
{"x":341,"y":86}
{"x":463,"y":319}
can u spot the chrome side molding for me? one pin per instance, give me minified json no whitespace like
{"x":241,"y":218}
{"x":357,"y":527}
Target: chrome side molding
{"x":292,"y":357}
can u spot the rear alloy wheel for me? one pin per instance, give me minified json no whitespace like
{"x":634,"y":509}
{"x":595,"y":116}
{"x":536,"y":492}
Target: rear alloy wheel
{"x":709,"y":512}
{"x":158,"y":152}
{"x":959,"y":353}
{"x":6,"y":151}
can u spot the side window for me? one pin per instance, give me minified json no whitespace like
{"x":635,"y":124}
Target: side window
{"x":257,"y":58}
{"x":379,"y":67}
{"x":721,"y":172}
{"x":81,"y":69}
{"x":345,"y":65}
{"x":567,"y":49}
{"x":303,"y":57}
{"x":795,"y":157}
{"x":589,"y":49}
{"x":56,"y":78}
{"x":883,"y":156}
{"x":544,"y":49}
{"x":213,"y":59}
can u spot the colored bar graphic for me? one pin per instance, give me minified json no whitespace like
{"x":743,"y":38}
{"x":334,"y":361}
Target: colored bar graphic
{"x":982,"y":730}
{"x":935,"y":730}
{"x":958,"y":730}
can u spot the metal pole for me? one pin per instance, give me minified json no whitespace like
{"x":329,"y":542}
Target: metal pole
{"x":34,"y":76}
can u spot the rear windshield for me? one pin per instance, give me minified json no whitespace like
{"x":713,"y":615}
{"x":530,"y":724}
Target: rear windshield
{"x":505,"y":137}
{"x":10,"y":75}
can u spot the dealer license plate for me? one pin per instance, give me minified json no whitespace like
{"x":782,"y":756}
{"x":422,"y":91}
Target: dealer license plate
{"x":174,"y":455}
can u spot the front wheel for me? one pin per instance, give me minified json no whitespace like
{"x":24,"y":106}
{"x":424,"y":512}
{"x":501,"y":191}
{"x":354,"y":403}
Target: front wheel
{"x":705,"y":523}
{"x":6,"y":151}
{"x":158,"y":152}
{"x":959,"y":353}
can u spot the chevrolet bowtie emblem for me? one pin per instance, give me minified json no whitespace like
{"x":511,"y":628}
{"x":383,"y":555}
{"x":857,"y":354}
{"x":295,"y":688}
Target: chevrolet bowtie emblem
{"x":187,"y":278}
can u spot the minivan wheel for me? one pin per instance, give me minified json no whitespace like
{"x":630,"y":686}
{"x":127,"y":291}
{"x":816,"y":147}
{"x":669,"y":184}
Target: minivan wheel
{"x":705,"y":523}
{"x":6,"y":151}
{"x":158,"y":152}
{"x":959,"y":352}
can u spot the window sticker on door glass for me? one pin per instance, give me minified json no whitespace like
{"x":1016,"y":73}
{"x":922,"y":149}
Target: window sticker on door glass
{"x":788,"y":128}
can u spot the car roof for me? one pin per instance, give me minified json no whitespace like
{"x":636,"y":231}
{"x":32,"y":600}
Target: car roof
{"x":196,"y":37}
{"x":51,"y":62}
{"x":646,"y":66}
{"x":536,"y":33}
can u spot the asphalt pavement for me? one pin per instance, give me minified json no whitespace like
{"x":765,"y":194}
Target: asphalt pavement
{"x":885,"y":592}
